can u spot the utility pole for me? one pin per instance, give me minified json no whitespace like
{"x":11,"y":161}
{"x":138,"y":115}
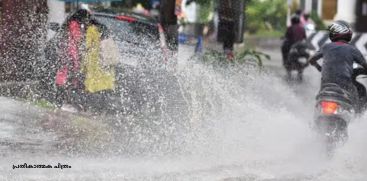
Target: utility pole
{"x":23,"y":34}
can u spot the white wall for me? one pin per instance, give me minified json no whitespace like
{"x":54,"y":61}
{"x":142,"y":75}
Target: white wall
{"x":308,"y":6}
{"x":319,"y":8}
{"x":346,"y":10}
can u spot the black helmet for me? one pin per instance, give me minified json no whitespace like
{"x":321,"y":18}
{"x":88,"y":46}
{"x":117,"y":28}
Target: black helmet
{"x":340,"y":30}
{"x":295,"y":19}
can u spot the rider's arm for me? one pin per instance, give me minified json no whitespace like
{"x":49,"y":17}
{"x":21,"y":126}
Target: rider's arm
{"x":314,"y":58}
{"x":359,"y":58}
{"x":364,"y":65}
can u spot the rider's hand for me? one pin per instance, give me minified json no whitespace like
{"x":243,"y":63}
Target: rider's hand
{"x":318,"y":67}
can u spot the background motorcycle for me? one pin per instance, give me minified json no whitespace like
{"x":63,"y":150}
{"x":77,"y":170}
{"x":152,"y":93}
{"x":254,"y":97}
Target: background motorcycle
{"x":297,"y":60}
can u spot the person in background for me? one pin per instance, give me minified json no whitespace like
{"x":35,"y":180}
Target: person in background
{"x":110,"y":54}
{"x":99,"y":62}
{"x":168,"y":20}
{"x":226,"y":27}
{"x":295,"y":33}
{"x":309,"y":24}
{"x":301,"y":16}
{"x":68,"y":76}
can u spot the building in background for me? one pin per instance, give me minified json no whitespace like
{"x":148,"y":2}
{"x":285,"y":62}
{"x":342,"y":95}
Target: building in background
{"x":328,"y":9}
{"x":361,"y":19}
{"x":346,"y":10}
{"x":352,"y":11}
{"x":311,"y":5}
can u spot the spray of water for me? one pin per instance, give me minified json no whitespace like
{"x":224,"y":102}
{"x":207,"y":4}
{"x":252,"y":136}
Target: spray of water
{"x":247,"y":124}
{"x":245,"y":117}
{"x":215,"y":122}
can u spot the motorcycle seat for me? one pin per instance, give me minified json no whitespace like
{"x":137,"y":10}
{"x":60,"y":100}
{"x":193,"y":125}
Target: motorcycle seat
{"x":336,"y":93}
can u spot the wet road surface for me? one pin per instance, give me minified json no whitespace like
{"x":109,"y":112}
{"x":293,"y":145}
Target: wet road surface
{"x":258,"y":137}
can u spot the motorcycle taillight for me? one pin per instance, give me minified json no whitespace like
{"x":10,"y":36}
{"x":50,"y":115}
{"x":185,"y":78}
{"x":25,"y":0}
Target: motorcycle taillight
{"x":329,"y":107}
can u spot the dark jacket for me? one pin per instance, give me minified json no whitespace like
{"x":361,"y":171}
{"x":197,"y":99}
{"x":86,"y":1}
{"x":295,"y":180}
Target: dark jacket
{"x":167,"y":10}
{"x":294,"y":34}
{"x":337,"y":66}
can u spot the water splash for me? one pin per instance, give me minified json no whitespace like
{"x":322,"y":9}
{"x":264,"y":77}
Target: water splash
{"x":239,"y":124}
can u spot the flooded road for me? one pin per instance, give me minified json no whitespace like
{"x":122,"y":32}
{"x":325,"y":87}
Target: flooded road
{"x":242,"y":125}
{"x":19,"y":129}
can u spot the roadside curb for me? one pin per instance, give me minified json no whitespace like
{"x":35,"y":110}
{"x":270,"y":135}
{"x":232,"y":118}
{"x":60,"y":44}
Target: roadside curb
{"x":265,"y":43}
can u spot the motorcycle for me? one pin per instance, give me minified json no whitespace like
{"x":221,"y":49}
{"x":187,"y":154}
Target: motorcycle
{"x":297,"y":59}
{"x":335,"y":109}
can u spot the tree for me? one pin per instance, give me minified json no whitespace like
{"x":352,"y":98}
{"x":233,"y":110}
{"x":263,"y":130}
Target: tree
{"x":266,"y":15}
{"x":22,"y":37}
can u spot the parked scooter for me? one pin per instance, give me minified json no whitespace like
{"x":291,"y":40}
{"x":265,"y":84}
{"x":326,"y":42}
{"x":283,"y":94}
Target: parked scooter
{"x":335,"y":109}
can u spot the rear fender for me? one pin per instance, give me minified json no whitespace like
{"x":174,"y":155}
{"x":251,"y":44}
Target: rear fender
{"x":345,"y":111}
{"x":333,"y":125}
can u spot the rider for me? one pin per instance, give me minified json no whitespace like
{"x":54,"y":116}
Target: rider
{"x":295,"y":33}
{"x":338,"y":58}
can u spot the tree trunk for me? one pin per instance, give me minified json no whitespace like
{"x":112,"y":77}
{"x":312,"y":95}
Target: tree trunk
{"x":22,"y":37}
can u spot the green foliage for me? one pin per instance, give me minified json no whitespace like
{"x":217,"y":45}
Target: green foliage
{"x":204,"y":2}
{"x":251,"y":55}
{"x":318,"y":21}
{"x":266,"y":15}
{"x":268,"y":34}
{"x":211,"y":56}
{"x":204,"y":11}
{"x":44,"y":104}
{"x":248,"y":56}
